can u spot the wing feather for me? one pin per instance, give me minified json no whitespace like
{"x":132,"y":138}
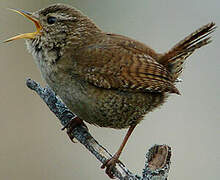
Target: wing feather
{"x":112,"y":66}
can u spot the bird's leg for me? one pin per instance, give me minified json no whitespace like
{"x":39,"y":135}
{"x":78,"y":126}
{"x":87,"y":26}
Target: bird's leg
{"x":73,"y":123}
{"x":110,"y":163}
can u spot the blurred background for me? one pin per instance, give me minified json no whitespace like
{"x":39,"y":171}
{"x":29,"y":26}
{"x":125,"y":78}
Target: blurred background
{"x":34,"y":147}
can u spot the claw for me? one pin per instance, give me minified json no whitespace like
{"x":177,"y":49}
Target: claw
{"x":73,"y":123}
{"x":109,"y":165}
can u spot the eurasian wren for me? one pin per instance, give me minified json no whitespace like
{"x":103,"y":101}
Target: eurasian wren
{"x":106,"y":79}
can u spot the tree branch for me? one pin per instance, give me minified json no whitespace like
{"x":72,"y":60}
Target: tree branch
{"x":157,"y":163}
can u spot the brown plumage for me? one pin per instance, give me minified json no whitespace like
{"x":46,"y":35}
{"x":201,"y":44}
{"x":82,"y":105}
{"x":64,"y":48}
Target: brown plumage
{"x":106,"y":79}
{"x":110,"y":64}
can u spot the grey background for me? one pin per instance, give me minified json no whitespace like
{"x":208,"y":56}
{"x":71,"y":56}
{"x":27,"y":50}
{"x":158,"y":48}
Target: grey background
{"x":34,"y":147}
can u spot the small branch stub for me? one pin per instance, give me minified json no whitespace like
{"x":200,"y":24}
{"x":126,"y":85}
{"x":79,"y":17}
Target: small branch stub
{"x":157,"y":159}
{"x":157,"y":162}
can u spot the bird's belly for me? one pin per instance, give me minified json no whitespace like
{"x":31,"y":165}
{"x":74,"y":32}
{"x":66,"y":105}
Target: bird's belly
{"x":104,"y":107}
{"x":117,"y":109}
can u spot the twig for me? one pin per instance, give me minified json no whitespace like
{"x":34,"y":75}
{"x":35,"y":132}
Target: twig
{"x":157,"y":159}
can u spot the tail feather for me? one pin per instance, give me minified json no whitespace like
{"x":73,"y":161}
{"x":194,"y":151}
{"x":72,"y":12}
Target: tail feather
{"x":173,"y":60}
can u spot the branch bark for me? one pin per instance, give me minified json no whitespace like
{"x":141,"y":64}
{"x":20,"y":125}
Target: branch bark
{"x":157,"y":163}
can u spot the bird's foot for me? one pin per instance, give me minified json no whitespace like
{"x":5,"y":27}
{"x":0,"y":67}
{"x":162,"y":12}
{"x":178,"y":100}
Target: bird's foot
{"x":109,"y":165}
{"x":72,"y":124}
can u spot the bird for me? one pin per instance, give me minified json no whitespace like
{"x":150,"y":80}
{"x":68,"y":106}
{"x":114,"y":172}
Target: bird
{"x":106,"y":79}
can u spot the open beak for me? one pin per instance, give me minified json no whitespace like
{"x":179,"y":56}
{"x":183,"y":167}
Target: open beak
{"x":27,"y":35}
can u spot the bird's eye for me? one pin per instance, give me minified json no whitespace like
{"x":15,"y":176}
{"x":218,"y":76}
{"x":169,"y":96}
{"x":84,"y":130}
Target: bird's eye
{"x":51,"y":20}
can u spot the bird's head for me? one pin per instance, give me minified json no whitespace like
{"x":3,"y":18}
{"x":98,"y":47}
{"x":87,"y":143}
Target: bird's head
{"x":56,"y":23}
{"x":59,"y":27}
